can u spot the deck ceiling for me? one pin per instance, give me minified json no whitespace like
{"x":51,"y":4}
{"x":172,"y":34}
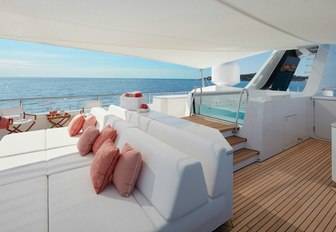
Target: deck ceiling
{"x":194,"y":33}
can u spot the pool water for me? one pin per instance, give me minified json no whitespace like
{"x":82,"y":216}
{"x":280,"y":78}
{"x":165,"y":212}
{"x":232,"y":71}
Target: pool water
{"x":226,"y":114}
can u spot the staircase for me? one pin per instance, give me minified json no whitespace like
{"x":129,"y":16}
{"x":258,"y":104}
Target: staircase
{"x":242,"y":156}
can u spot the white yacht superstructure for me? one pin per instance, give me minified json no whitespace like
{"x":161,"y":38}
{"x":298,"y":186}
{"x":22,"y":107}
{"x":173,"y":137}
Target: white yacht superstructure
{"x":274,"y":119}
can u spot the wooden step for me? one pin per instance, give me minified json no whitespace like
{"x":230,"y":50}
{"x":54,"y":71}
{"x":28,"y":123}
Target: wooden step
{"x":233,"y":140}
{"x":216,"y":124}
{"x":243,"y":154}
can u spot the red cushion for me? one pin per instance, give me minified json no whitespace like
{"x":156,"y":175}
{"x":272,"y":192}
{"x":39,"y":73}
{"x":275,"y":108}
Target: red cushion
{"x":107,"y":133}
{"x":86,"y":140}
{"x":76,"y":125}
{"x":90,"y":120}
{"x":138,"y":94}
{"x":127,"y":170}
{"x":103,"y":165}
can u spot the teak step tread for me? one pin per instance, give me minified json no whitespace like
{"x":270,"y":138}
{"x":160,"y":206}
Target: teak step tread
{"x":233,"y":140}
{"x":219,"y":125}
{"x":243,"y":154}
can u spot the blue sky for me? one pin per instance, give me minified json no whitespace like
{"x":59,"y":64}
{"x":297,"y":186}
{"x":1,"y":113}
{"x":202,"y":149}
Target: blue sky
{"x":21,"y":59}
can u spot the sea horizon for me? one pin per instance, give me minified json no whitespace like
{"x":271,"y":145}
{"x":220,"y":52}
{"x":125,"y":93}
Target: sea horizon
{"x":37,"y":87}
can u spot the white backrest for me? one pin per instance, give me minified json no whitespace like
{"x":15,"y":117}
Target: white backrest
{"x":22,"y":143}
{"x":117,"y":111}
{"x":171,"y":180}
{"x":101,"y":116}
{"x":112,"y":120}
{"x":120,"y":126}
{"x":16,"y":111}
{"x":213,"y":156}
{"x":140,"y":121}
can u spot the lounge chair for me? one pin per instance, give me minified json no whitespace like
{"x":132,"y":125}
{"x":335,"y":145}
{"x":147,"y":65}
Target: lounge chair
{"x":19,"y":118}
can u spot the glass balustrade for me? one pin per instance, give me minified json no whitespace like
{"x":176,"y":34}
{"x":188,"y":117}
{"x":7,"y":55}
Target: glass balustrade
{"x":223,"y":107}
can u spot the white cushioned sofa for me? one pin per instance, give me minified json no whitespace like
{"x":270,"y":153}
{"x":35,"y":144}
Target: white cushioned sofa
{"x":50,"y":189}
{"x":200,"y":142}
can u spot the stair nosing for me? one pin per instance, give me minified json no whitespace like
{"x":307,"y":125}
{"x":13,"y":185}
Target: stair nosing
{"x":243,"y":140}
{"x":237,"y":153}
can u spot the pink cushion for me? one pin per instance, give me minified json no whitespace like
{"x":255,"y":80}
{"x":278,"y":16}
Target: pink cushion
{"x":90,"y":120}
{"x":5,"y":122}
{"x":103,"y":165}
{"x":127,"y":170}
{"x":87,"y":139}
{"x":76,"y":125}
{"x":107,"y":133}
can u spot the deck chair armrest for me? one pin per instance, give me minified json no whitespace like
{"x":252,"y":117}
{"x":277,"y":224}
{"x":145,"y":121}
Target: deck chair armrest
{"x":31,"y":115}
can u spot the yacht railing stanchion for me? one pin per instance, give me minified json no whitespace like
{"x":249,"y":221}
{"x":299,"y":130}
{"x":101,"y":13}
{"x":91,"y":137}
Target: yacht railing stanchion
{"x":192,"y":102}
{"x":236,"y":127}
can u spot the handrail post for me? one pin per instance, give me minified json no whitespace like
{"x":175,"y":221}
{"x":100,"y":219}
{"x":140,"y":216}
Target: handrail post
{"x":236,"y":128}
{"x":193,"y":96}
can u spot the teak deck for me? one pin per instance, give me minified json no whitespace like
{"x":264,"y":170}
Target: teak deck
{"x":292,"y":191}
{"x":219,"y":125}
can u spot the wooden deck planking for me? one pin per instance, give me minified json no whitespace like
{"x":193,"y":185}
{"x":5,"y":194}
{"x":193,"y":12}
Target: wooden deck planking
{"x":270,"y":178}
{"x":233,"y":140}
{"x":280,"y":197}
{"x":292,"y":191}
{"x":219,"y":125}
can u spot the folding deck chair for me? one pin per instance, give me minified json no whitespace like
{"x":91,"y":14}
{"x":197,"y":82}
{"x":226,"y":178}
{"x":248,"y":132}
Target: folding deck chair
{"x":19,"y":118}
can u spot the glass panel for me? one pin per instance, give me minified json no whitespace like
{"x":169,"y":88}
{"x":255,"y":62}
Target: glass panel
{"x":222,"y":107}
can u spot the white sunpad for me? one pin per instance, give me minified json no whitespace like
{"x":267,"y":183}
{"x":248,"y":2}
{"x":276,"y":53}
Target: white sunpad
{"x":20,"y":167}
{"x":23,"y":205}
{"x":59,"y":137}
{"x":66,"y":158}
{"x":74,"y":206}
{"x":22,"y":143}
{"x":215,"y":208}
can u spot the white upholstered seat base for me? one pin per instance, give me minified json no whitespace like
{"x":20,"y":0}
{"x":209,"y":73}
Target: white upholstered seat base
{"x":197,"y":220}
{"x":22,"y":143}
{"x":66,"y":158}
{"x":74,"y":206}
{"x":23,"y":205}
{"x":59,"y":137}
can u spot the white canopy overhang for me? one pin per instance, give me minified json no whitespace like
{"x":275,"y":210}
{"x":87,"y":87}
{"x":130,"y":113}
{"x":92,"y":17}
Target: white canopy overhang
{"x":196,"y":33}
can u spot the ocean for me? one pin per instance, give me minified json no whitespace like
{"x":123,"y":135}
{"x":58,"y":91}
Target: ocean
{"x":18,"y":88}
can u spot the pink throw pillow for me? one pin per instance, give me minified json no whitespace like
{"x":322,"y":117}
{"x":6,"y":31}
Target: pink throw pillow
{"x":127,"y":170}
{"x":103,"y":165}
{"x":76,"y":125}
{"x":107,"y":133}
{"x":86,"y":140}
{"x":90,"y":120}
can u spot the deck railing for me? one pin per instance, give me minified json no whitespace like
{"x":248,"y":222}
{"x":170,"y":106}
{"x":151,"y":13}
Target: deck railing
{"x":223,"y":105}
{"x":68,"y":103}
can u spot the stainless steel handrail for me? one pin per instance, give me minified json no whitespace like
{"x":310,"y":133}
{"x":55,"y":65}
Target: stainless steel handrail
{"x":23,"y":101}
{"x":193,"y":95}
{"x":236,"y":128}
{"x":97,"y":96}
{"x":217,"y":93}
